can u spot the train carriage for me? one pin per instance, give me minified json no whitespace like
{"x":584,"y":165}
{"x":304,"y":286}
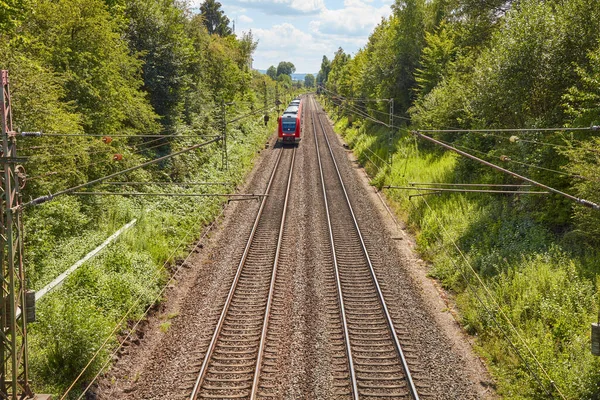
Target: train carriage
{"x":290,"y":123}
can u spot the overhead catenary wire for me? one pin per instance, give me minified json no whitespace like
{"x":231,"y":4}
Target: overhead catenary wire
{"x":457,"y":190}
{"x":139,"y":149}
{"x":584,"y":202}
{"x":465,"y":184}
{"x":170,"y":183}
{"x":171,"y":194}
{"x":251,"y":113}
{"x":50,"y":197}
{"x":366,"y":116}
{"x":510,"y":160}
{"x":370,"y":109}
{"x":558,"y":129}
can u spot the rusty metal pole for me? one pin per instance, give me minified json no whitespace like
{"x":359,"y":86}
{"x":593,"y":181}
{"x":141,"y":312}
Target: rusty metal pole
{"x":390,"y":137}
{"x":14,"y":369}
{"x":224,"y":135}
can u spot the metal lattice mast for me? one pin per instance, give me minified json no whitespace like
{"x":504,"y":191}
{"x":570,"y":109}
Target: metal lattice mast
{"x":14,"y":378}
{"x":391,"y":130}
{"x":224,"y":136}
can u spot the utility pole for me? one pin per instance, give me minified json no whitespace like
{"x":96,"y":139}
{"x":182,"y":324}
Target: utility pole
{"x":224,"y":135}
{"x":14,"y":370}
{"x":390,"y":137}
{"x":265,"y":94}
{"x":277,"y":102}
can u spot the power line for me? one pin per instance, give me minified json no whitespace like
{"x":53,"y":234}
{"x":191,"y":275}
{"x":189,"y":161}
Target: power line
{"x":172,"y":194}
{"x":49,"y":197}
{"x":465,"y":190}
{"x":562,"y":129}
{"x":584,"y":202}
{"x":170,"y":183}
{"x":465,"y":184}
{"x":505,"y":158}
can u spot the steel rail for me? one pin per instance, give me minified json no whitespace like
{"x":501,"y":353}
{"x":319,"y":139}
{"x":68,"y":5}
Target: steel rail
{"x":411,"y":384}
{"x":351,"y":369}
{"x":263,"y":337}
{"x":232,"y":290}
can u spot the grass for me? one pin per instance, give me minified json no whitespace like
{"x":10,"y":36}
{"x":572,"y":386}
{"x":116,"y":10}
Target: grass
{"x":517,"y":282}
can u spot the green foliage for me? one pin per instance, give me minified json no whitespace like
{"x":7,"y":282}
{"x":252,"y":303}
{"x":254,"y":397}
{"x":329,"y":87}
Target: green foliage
{"x":435,"y":60}
{"x":214,"y":18}
{"x":285,"y":68}
{"x":156,"y":32}
{"x":81,"y":41}
{"x":309,"y":81}
{"x":324,"y":71}
{"x":272,"y":72}
{"x":66,"y":338}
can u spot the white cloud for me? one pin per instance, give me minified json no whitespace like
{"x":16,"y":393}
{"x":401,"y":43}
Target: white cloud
{"x":244,"y":18}
{"x":283,"y":7}
{"x":356,"y":19}
{"x":285,"y":42}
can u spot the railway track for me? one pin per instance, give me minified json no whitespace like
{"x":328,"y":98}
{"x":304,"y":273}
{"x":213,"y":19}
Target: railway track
{"x":232,"y":364}
{"x":375,"y":360}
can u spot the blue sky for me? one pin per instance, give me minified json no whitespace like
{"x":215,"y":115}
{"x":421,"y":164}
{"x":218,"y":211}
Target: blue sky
{"x":302,"y":31}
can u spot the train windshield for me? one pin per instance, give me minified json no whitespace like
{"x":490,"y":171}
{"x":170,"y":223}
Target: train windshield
{"x":289,"y":126}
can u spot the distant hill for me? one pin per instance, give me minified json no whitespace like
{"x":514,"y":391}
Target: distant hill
{"x":295,"y":77}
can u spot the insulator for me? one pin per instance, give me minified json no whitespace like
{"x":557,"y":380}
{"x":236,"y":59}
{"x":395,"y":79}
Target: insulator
{"x":117,"y":157}
{"x":107,"y":139}
{"x":514,"y":139}
{"x":504,"y":158}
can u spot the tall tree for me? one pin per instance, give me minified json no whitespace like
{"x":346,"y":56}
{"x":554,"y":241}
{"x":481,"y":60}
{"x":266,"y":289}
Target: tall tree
{"x":157,"y":32}
{"x":272,"y":72}
{"x":324,"y":71}
{"x":286,"y":68}
{"x":309,"y":80}
{"x":215,"y":20}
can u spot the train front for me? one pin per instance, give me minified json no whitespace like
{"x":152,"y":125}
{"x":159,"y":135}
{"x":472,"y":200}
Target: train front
{"x":289,"y":125}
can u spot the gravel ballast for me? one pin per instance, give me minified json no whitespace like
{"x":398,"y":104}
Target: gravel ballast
{"x":163,"y":364}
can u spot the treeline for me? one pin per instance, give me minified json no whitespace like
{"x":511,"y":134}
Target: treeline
{"x":462,"y":64}
{"x":118,"y":67}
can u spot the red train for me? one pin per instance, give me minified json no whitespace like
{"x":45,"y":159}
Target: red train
{"x":290,"y":123}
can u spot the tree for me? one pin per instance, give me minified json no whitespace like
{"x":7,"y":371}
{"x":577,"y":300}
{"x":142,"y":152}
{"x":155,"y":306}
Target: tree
{"x":286,"y":68}
{"x":157,"y":32}
{"x":10,"y":12}
{"x":215,"y":20}
{"x":309,"y":80}
{"x":324,"y":71}
{"x":285,"y":81}
{"x":272,"y":72}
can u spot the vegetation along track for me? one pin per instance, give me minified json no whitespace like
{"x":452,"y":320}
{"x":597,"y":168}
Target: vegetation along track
{"x":232,"y":364}
{"x":376,"y":363}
